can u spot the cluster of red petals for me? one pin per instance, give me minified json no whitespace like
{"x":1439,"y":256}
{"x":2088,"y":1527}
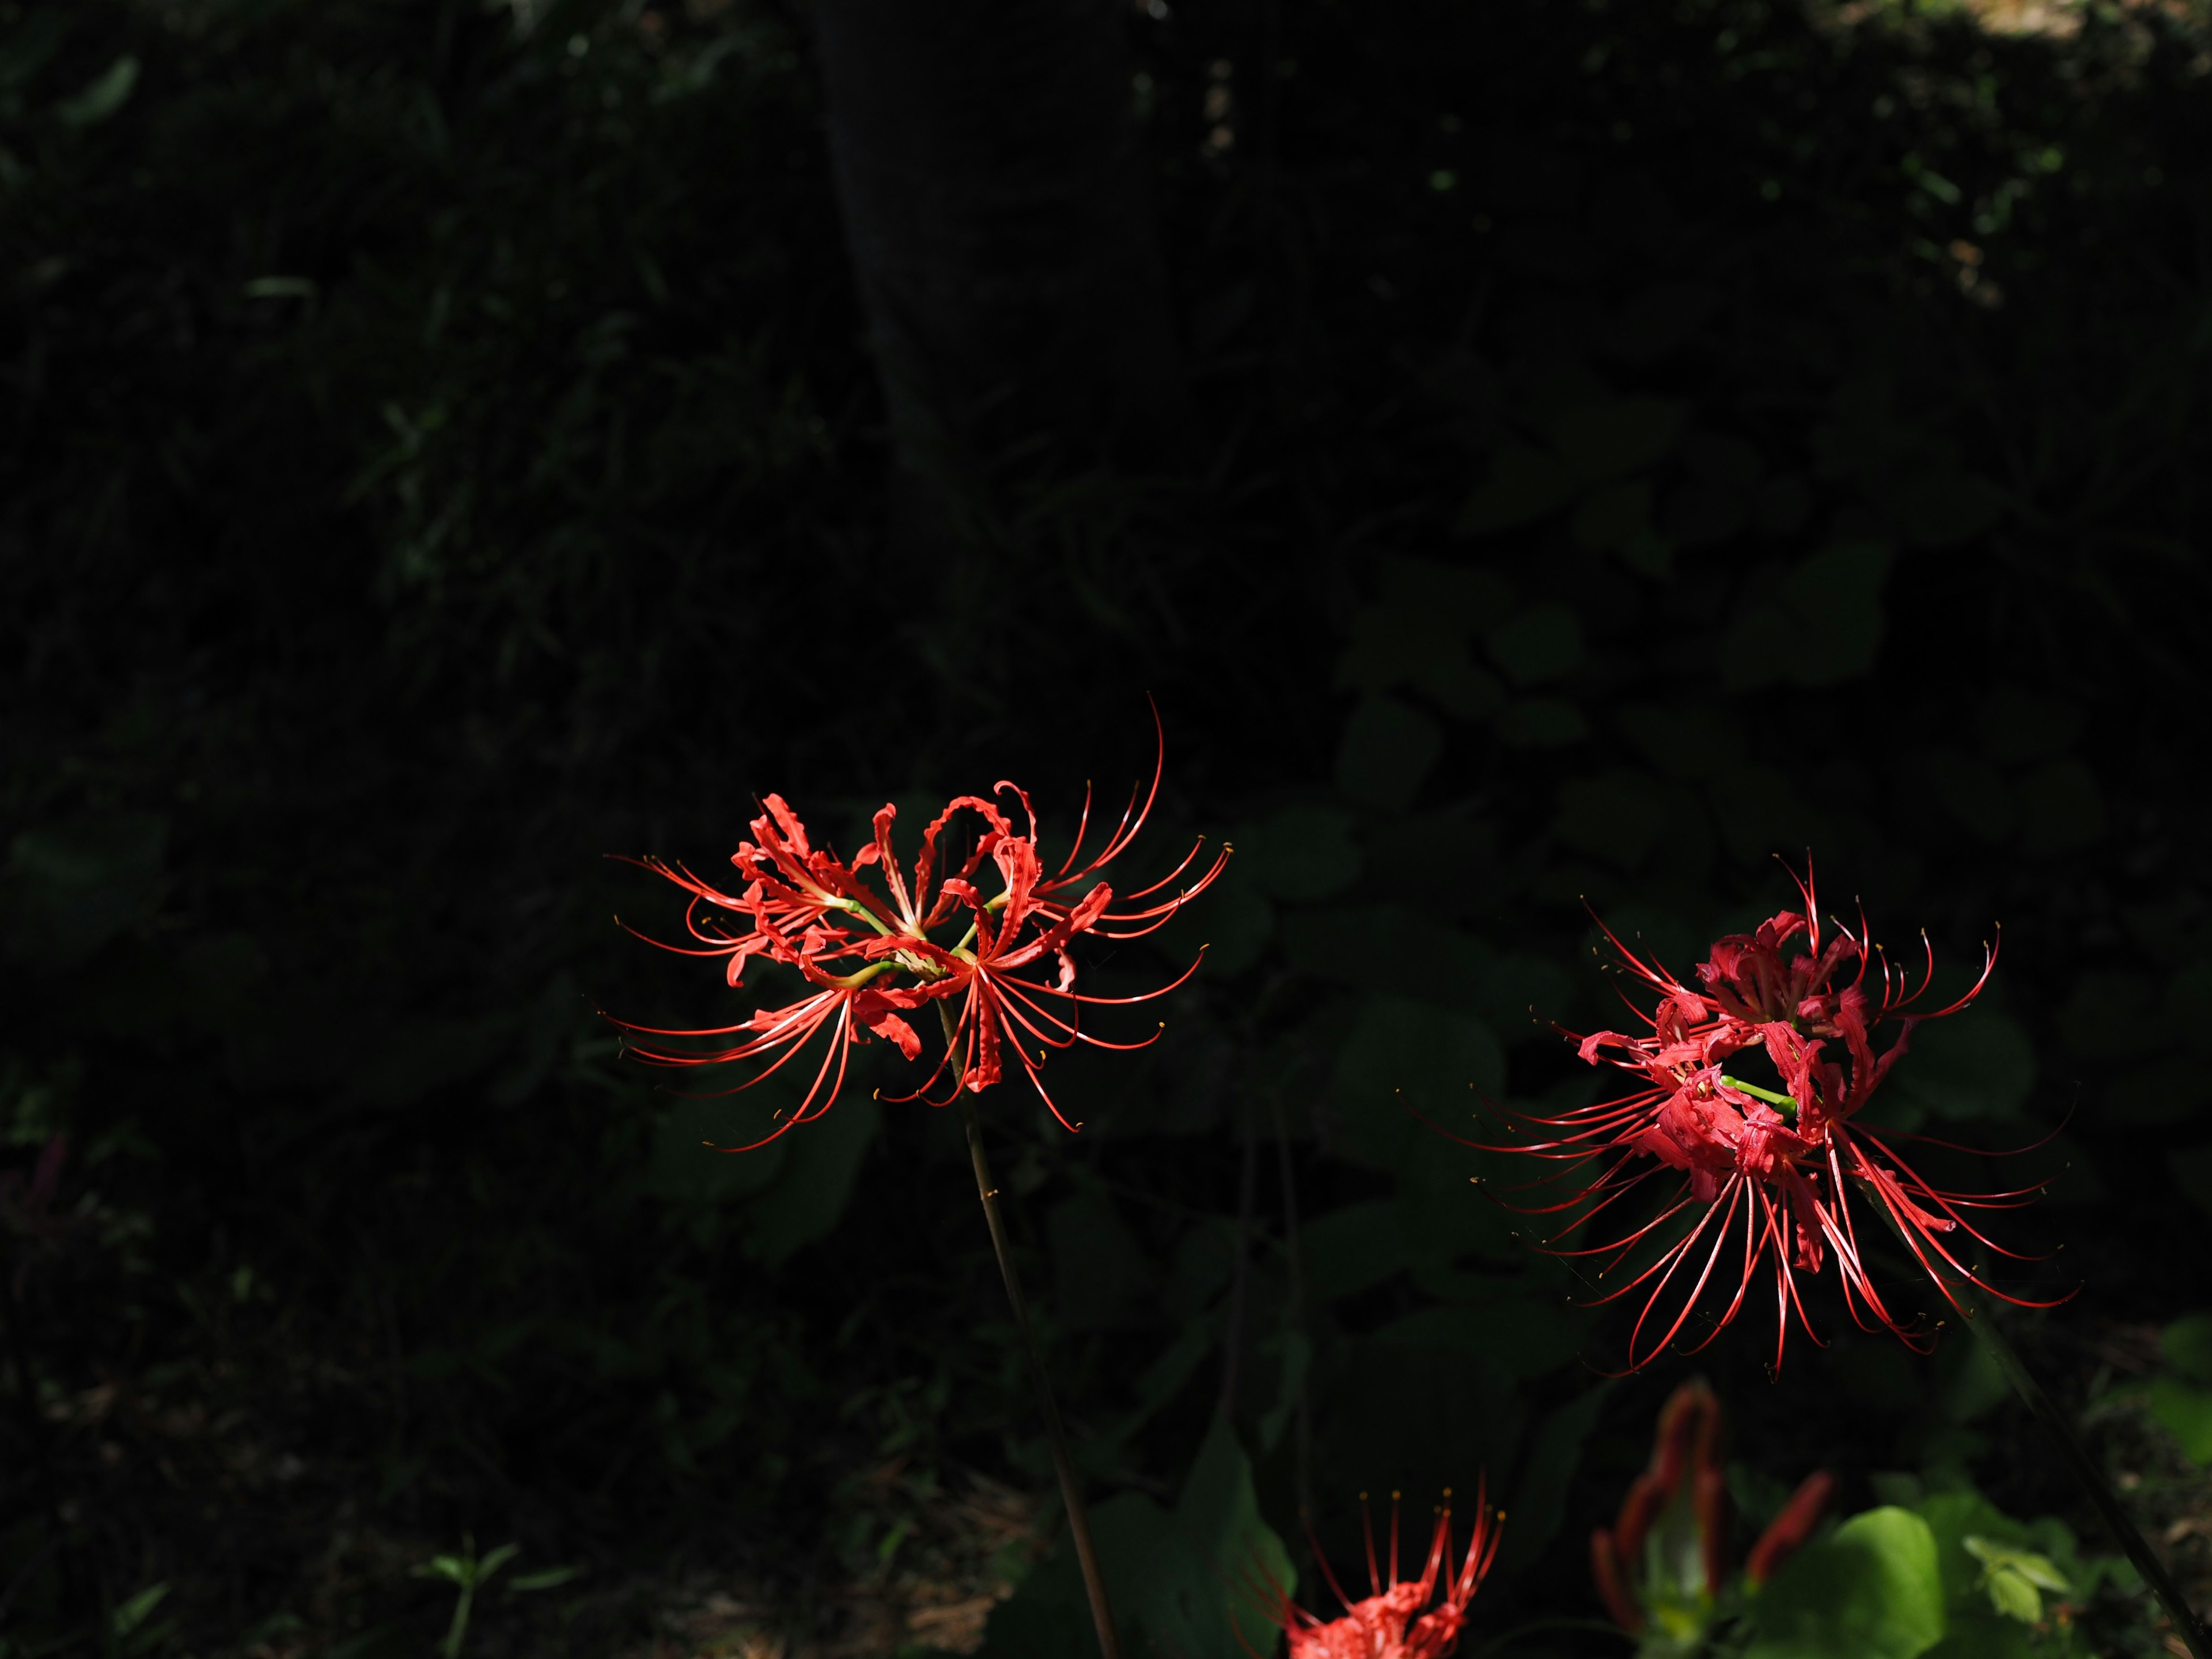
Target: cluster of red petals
{"x":1396,"y":1621}
{"x":974,"y":927}
{"x":1767,"y":1173}
{"x":1686,"y":1485}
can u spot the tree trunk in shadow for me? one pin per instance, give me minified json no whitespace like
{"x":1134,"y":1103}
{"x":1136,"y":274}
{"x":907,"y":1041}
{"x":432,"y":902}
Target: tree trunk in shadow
{"x":986,"y":157}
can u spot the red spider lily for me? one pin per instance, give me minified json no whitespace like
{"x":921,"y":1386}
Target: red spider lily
{"x":997,"y":965}
{"x":1396,"y":1621}
{"x":1767,"y":1173}
{"x":1662,"y":1567}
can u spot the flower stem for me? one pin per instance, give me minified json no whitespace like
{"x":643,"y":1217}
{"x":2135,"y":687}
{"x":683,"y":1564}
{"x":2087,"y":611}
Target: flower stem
{"x":2107,"y":1503}
{"x":1071,"y":1492}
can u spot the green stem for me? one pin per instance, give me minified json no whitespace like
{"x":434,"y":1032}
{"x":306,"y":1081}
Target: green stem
{"x":1071,"y":1489}
{"x":1756,"y":1093}
{"x":2101,"y":1495}
{"x":459,"y":1628}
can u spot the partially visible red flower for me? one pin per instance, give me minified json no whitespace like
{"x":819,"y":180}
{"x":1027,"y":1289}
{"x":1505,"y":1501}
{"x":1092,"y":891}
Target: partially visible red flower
{"x":876,"y":944}
{"x":1771,"y":1168}
{"x":1396,"y":1621}
{"x":1662,"y":1567}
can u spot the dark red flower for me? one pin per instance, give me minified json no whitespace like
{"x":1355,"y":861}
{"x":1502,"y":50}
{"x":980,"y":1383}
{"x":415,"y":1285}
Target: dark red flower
{"x":1396,"y":1621}
{"x":1771,"y":1169}
{"x":876,"y":944}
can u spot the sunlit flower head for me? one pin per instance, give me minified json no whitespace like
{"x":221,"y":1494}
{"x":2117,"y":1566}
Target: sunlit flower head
{"x":1397,"y":1619}
{"x":1767,"y":1163}
{"x":975,"y":928}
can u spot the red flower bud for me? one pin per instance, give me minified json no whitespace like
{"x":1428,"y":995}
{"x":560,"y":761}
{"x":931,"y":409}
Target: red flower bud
{"x":1612,"y":1588}
{"x":1790,"y":1529}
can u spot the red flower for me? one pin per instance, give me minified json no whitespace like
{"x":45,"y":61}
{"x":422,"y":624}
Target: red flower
{"x":996,"y":964}
{"x":1771,"y":1169}
{"x":1396,"y":1621}
{"x":1663,"y":1564}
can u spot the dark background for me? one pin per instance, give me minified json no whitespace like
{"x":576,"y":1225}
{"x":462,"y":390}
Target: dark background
{"x":1527,"y":451}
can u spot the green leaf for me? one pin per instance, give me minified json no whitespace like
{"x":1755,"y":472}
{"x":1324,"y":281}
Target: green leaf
{"x":1301,"y":854}
{"x":1525,"y":484}
{"x":126,"y":1618}
{"x":2015,"y":1578}
{"x":1821,"y":625}
{"x":107,"y":93}
{"x":1354,"y":1248}
{"x":1209,"y":1581}
{"x":1554,"y":1452}
{"x":1542,"y":723}
{"x":1103,"y":1276}
{"x":69,"y":889}
{"x":2185,"y":1411}
{"x":1526,"y":1336}
{"x":1542,"y":642}
{"x":1402,"y":1058}
{"x":1617,"y":815}
{"x":688,"y":1165}
{"x":1977,"y":1064}
{"x":810,"y":1193}
{"x":2061,"y":809}
{"x":2193,"y":1173}
{"x":495,"y":1560}
{"x":2187,"y":1345}
{"x":1871,"y":1589}
{"x":1611,"y":437}
{"x":544,"y":1579}
{"x":1386,"y":752}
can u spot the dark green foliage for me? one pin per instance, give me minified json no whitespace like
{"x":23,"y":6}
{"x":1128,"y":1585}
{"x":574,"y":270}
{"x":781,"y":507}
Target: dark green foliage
{"x":1644,"y":440}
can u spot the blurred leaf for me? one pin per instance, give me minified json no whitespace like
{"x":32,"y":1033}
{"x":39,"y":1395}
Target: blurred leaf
{"x":2193,"y":1173}
{"x":1542,"y":723}
{"x":1417,"y":1418}
{"x":1615,"y":516}
{"x":1527,"y":1337}
{"x":126,"y":1618}
{"x":2015,"y":1578}
{"x":2015,"y":725}
{"x":1977,"y":1064}
{"x":2187,"y":1346}
{"x":1101,"y":1270}
{"x":1871,"y":1589}
{"x":1610,"y":437}
{"x":1301,"y":854}
{"x":1351,"y":1249}
{"x":809,"y":1193}
{"x":107,"y":94}
{"x":2061,"y":809}
{"x":544,"y":1579}
{"x":1658,"y":320}
{"x":420,"y":1056}
{"x":69,"y":890}
{"x":1616,"y":814}
{"x":2112,"y":1014}
{"x":1547,"y":1470}
{"x":1542,"y":642}
{"x":1525,"y":484}
{"x":1236,"y":922}
{"x":1402,"y":1058}
{"x":1820,"y":625}
{"x":690,"y":1165}
{"x":2185,"y":1411}
{"x":1386,"y":752}
{"x":1207,"y":1583}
